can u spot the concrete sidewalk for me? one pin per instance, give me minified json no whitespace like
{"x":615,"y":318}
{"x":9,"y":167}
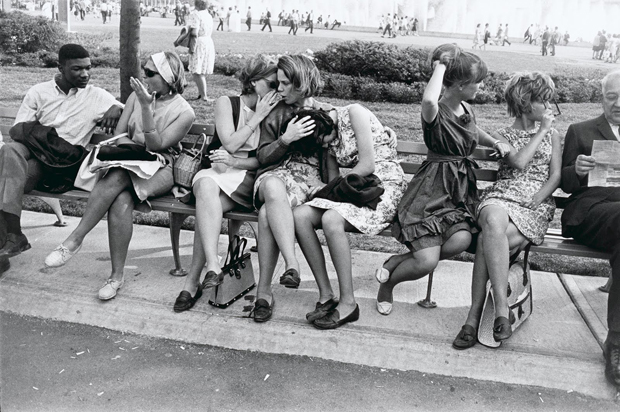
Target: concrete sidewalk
{"x":558,"y":347}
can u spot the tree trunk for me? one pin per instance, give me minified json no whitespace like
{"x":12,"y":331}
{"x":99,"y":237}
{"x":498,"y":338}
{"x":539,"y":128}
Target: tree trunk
{"x":129,"y":31}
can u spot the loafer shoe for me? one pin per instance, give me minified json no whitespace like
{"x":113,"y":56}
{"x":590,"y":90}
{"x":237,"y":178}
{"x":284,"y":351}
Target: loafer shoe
{"x":333,"y":321}
{"x":384,"y":308}
{"x":60,"y":256}
{"x":502,"y":329}
{"x":322,"y":309}
{"x":262,"y":310}
{"x":290,"y":279}
{"x":15,"y":244}
{"x":5,"y":264}
{"x":185,"y":301}
{"x":612,"y":362}
{"x":466,"y":338}
{"x":212,"y":280}
{"x":108,"y":291}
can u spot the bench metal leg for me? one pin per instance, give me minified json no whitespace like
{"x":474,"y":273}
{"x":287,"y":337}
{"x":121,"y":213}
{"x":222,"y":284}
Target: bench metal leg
{"x":427,"y":302}
{"x":176,"y":221}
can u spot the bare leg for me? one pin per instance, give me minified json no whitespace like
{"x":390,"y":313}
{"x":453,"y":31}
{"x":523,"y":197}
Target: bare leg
{"x":280,"y":218}
{"x":478,"y":286}
{"x":307,"y":220}
{"x":267,"y":257}
{"x":198,"y":262}
{"x":55,"y":205}
{"x":100,"y":200}
{"x":120,"y":229}
{"x":334,"y":226}
{"x":201,"y":83}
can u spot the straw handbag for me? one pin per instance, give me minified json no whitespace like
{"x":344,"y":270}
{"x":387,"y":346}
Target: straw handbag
{"x":187,"y":164}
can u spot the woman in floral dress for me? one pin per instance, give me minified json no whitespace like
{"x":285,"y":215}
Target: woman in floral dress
{"x":202,"y":58}
{"x":359,"y":142}
{"x":517,"y":208}
{"x":435,"y":218}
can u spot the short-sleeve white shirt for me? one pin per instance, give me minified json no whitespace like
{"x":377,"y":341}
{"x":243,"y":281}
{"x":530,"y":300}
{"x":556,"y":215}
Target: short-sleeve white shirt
{"x":73,"y":115}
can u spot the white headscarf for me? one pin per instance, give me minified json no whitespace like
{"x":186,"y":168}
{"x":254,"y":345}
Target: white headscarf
{"x":163,"y":67}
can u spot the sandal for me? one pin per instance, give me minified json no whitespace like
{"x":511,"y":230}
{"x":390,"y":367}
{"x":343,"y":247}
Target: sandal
{"x":466,"y":338}
{"x":290,"y":279}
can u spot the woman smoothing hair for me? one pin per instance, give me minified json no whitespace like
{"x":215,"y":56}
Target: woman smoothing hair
{"x":435,"y":218}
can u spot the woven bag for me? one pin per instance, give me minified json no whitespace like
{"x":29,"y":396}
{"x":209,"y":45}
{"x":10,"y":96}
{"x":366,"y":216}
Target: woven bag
{"x":187,"y":164}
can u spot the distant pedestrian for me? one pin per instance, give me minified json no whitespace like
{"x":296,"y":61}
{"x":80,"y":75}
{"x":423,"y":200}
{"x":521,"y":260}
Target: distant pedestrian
{"x":388,"y":26}
{"x":178,"y":12}
{"x":486,"y":36}
{"x":506,"y":40}
{"x":546,"y":36}
{"x":220,"y":16}
{"x":267,"y":21}
{"x":415,"y":27}
{"x":477,"y":37}
{"x":103,"y":8}
{"x":248,"y":18}
{"x":528,"y":34}
{"x":310,"y":22}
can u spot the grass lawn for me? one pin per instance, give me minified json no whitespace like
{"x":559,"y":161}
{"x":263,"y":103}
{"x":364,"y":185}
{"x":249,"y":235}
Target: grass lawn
{"x":404,"y":119}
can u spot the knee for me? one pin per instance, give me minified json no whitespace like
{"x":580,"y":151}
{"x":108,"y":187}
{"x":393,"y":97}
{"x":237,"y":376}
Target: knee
{"x":332,"y":222}
{"x":272,"y":188}
{"x":205,"y":188}
{"x":492,"y":221}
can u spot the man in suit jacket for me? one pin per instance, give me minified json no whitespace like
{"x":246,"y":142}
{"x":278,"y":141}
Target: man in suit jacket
{"x":592,"y":216}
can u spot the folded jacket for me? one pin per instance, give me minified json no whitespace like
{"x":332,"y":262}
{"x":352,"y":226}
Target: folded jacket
{"x":355,"y":189}
{"x":125,"y":152}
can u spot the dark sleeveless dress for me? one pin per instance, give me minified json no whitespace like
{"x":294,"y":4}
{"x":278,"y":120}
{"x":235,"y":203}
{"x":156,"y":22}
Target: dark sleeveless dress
{"x":442,"y":197}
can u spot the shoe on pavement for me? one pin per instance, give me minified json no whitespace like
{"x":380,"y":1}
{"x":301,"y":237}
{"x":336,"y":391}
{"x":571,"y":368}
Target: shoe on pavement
{"x":612,"y":362}
{"x":108,"y":291}
{"x":4,"y":264}
{"x":15,"y":244}
{"x":60,"y":256}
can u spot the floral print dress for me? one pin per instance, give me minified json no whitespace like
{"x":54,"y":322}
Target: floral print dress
{"x":344,"y":149}
{"x":516,"y":187}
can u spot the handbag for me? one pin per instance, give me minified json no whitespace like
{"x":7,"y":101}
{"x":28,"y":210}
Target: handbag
{"x":519,"y":299}
{"x":86,"y":179}
{"x":187,"y":164}
{"x":238,"y":275}
{"x":183,"y":39}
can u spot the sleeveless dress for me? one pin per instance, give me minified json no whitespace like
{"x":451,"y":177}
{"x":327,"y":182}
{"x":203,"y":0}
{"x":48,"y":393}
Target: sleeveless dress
{"x":441,"y":198}
{"x":202,"y":60}
{"x":238,"y":184}
{"x":164,"y":116}
{"x":344,"y":149}
{"x":514,"y":187}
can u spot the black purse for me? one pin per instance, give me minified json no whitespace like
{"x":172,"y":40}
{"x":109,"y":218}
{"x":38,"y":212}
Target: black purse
{"x":238,"y":275}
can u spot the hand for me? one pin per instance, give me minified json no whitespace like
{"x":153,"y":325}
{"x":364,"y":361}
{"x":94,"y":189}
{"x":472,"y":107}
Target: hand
{"x":222,"y":156}
{"x":266,"y":104}
{"x":444,"y":59}
{"x":314,"y":191}
{"x":502,"y":149}
{"x":142,"y":93}
{"x":534,"y":202}
{"x":583,"y":165}
{"x":298,"y":129}
{"x":547,"y":120}
{"x":110,"y":119}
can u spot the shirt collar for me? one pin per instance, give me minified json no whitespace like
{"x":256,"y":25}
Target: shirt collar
{"x":73,"y":90}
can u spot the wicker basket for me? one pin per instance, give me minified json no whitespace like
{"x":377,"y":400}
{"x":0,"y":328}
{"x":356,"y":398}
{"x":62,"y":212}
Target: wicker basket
{"x":187,"y":164}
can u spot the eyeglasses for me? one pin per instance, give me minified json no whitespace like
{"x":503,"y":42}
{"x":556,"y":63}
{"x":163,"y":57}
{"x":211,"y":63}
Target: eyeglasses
{"x":148,"y":72}
{"x":559,"y":112}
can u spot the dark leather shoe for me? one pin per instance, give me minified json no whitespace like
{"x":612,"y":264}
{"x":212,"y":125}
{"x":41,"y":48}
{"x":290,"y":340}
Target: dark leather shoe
{"x":15,"y":244}
{"x":502,"y":329}
{"x":467,"y":337}
{"x":185,"y":301}
{"x":612,"y":362}
{"x":262,"y":310}
{"x":290,"y":279}
{"x":333,"y":321}
{"x":4,"y":264}
{"x":322,"y":309}
{"x":212,"y":280}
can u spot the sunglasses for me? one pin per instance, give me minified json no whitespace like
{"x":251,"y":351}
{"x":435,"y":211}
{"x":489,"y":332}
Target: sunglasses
{"x":273,"y":84}
{"x":148,"y":72}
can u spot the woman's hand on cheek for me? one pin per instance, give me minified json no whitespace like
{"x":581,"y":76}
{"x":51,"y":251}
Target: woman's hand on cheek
{"x":141,"y":91}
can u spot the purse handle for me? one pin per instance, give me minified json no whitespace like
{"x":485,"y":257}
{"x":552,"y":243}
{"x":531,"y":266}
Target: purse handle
{"x":112,"y":139}
{"x":202,"y":148}
{"x":236,"y":249}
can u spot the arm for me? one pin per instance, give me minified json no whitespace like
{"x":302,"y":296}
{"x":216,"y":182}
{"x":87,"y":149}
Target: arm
{"x":571,"y":180}
{"x":501,"y":145}
{"x":360,"y":123}
{"x":232,"y":140}
{"x":222,"y":156}
{"x":28,"y":109}
{"x":555,"y":175}
{"x":123,"y":121}
{"x":519,"y":160}
{"x":430,"y":99}
{"x":273,"y":147}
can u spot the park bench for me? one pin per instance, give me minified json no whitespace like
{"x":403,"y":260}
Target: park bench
{"x":411,"y":154}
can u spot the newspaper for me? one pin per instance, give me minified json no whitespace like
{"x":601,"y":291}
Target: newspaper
{"x":606,"y":170}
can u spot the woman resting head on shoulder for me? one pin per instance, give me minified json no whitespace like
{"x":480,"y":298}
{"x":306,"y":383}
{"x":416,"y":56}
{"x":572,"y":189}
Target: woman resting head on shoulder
{"x":156,"y":117}
{"x":518,"y":207}
{"x":227,"y":181}
{"x":437,"y":221}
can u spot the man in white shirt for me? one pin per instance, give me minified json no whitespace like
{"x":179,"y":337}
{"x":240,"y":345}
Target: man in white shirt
{"x":66,"y":103}
{"x":103,"y":8}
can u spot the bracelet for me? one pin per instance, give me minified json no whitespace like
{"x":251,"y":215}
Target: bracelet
{"x":496,"y":143}
{"x":150,"y":131}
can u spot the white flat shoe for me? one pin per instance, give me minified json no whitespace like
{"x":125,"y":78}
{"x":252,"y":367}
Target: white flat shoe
{"x":60,"y":256}
{"x":108,"y":291}
{"x":384,"y":308}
